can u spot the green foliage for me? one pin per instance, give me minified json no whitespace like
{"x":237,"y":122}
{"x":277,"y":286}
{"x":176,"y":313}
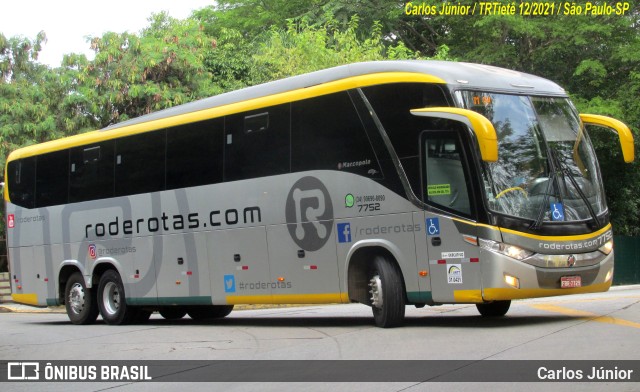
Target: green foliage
{"x":30,"y":95}
{"x":133,"y":75}
{"x":253,"y":17}
{"x":303,"y":48}
{"x":621,"y":180}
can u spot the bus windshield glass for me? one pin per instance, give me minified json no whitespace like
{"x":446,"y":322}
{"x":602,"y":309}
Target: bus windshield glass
{"x":546,"y":168}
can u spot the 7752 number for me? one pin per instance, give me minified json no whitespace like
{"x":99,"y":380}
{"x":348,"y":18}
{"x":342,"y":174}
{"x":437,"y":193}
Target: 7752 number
{"x":369,"y":207}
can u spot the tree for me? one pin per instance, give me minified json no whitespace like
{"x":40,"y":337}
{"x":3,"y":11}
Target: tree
{"x":303,"y":48}
{"x":30,"y":95}
{"x":133,"y":75}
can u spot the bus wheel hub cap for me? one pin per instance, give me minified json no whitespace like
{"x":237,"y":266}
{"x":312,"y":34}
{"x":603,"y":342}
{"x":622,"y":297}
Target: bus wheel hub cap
{"x":375,"y":289}
{"x":76,"y":298}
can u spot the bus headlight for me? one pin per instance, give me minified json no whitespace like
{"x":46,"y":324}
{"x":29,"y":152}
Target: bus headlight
{"x":505,"y":249}
{"x":607,"y":247}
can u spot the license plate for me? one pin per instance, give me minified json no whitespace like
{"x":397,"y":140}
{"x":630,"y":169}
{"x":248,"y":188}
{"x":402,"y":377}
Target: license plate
{"x":570,"y":282}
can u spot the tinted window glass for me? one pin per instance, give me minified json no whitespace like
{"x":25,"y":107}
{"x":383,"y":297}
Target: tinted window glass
{"x":257,"y":143}
{"x":392,"y":104}
{"x":445,"y":176}
{"x":140,"y":163}
{"x":91,"y":172}
{"x":52,"y":179}
{"x":194,"y":154}
{"x":326,"y":133}
{"x":22,"y":179}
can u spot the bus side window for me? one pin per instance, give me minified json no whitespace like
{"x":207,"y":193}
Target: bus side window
{"x":52,"y":178}
{"x":392,"y":104}
{"x":140,"y":163}
{"x":194,"y":154}
{"x":326,"y":133}
{"x":91,"y":172}
{"x":21,"y":181}
{"x":445,"y":180}
{"x":256,"y":143}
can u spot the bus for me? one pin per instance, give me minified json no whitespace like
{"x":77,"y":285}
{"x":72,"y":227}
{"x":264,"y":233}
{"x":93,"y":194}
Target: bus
{"x":388,"y":183}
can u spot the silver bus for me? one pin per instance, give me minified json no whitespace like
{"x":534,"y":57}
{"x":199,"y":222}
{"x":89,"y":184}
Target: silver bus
{"x":384,"y":183}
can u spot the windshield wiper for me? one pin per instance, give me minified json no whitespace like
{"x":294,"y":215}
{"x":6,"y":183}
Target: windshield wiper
{"x":567,"y":171}
{"x":553,"y":176}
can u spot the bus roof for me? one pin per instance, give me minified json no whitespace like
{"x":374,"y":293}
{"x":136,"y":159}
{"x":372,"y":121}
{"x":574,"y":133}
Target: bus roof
{"x":456,"y":74}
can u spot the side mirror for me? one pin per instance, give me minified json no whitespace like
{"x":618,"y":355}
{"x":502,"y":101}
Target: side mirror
{"x":617,"y":126}
{"x":479,"y":124}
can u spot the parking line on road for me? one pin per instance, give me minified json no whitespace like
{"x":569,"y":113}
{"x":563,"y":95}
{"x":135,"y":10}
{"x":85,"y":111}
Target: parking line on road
{"x":591,"y":316}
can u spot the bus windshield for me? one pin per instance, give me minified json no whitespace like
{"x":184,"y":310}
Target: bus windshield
{"x":546,"y":168}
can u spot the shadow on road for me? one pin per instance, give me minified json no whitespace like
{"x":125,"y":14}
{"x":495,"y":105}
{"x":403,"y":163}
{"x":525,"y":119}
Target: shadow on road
{"x":291,"y":321}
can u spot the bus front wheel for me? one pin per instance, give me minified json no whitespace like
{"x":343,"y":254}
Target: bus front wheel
{"x":80,"y":302}
{"x":494,"y":309}
{"x":387,"y":296}
{"x":111,"y":300}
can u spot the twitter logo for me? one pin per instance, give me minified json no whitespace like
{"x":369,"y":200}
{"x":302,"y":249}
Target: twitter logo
{"x":229,"y":284}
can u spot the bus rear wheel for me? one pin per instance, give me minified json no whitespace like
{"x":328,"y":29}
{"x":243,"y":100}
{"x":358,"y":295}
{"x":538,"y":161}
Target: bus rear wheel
{"x":111,"y":300}
{"x":80,"y":302}
{"x":210,"y":312}
{"x":387,"y":296}
{"x":494,"y":309}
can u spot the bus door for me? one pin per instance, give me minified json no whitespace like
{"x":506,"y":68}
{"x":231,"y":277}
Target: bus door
{"x":454,"y":264}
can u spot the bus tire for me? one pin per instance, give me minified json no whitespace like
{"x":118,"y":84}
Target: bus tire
{"x":172,"y":313}
{"x":80,"y":302}
{"x":387,"y":293}
{"x":111,"y":300}
{"x":210,"y":312}
{"x":494,"y":309}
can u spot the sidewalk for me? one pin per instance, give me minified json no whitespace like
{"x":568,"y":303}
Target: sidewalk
{"x":20,"y":308}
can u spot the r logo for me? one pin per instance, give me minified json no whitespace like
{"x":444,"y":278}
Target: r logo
{"x":309,"y":214}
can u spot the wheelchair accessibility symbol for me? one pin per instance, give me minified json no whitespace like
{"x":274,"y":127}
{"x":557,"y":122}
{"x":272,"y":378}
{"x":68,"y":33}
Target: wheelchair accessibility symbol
{"x":557,"y":212}
{"x":433,"y":226}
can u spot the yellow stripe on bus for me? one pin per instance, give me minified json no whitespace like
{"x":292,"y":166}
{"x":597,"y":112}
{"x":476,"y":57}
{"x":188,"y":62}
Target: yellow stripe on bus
{"x":577,"y":237}
{"x":219,"y":111}
{"x":500,"y":294}
{"x":468,"y":296}
{"x":27,"y":299}
{"x":560,"y":237}
{"x":327,"y":298}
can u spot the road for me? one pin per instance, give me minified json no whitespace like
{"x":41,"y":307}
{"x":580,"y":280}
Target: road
{"x":597,"y":327}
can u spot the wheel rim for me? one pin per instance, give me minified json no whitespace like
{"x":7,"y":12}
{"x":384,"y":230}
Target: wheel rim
{"x":76,"y":298}
{"x":111,"y":298}
{"x":375,"y":289}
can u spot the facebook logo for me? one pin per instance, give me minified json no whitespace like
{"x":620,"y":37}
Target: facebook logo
{"x":344,"y":232}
